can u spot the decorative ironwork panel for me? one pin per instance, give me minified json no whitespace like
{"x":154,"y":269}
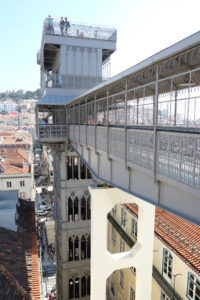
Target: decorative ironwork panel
{"x":140,"y":148}
{"x":179,"y":157}
{"x":83,"y":134}
{"x":53,"y":131}
{"x":117,"y":142}
{"x":91,"y":135}
{"x":101,"y":137}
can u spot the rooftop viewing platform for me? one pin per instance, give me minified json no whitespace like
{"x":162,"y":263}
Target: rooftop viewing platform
{"x":78,"y":30}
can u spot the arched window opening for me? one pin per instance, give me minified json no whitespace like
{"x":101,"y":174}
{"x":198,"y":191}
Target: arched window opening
{"x":76,"y":249}
{"x":88,"y":208}
{"x":69,"y":167}
{"x":77,"y":288}
{"x":70,"y":209}
{"x":76,"y":209}
{"x":88,"y":247}
{"x":83,"y":247}
{"x":71,"y":289}
{"x":83,"y":287}
{"x":88,"y":286}
{"x":83,"y":208}
{"x":75,"y":163}
{"x":70,"y":249}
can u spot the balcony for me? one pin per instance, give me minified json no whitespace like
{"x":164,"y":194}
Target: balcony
{"x":51,"y":124}
{"x":52,"y":133}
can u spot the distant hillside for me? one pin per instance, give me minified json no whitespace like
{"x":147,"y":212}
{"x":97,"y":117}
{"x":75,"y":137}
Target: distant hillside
{"x":16,"y":95}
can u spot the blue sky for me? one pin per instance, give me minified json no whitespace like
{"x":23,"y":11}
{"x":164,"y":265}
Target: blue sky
{"x":144,"y":28}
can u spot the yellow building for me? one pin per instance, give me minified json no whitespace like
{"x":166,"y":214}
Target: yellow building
{"x":176,"y":255}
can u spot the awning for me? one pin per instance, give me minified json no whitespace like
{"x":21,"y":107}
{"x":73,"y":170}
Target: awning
{"x":55,"y":100}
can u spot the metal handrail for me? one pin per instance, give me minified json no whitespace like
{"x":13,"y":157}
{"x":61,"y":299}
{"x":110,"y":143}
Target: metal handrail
{"x":52,"y":131}
{"x":178,"y":235}
{"x":81,"y":30}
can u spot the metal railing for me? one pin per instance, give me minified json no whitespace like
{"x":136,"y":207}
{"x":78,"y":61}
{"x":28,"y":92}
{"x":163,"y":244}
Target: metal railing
{"x":177,"y":155}
{"x":52,"y":131}
{"x":80,"y":30}
{"x":181,"y":238}
{"x":175,"y":99}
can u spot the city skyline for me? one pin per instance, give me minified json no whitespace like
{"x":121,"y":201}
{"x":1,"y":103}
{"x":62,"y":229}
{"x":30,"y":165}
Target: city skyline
{"x":143,"y":29}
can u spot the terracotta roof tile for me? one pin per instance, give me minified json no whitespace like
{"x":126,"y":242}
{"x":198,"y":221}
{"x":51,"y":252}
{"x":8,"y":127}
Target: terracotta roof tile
{"x":180,"y":235}
{"x":19,"y":253}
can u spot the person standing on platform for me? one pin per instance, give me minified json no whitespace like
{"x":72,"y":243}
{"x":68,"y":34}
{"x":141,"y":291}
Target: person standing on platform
{"x":62,"y":25}
{"x":67,"y":25}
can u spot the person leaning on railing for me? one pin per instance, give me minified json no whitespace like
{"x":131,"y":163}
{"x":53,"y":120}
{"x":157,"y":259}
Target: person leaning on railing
{"x":49,"y":25}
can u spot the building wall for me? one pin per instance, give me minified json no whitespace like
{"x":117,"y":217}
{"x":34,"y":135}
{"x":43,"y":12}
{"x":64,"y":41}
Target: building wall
{"x":15,"y":184}
{"x":180,"y":269}
{"x":69,"y":226}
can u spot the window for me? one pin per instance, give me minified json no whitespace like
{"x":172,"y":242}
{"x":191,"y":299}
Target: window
{"x":133,"y":270}
{"x":134,"y":228}
{"x":132,"y":294}
{"x":122,"y":245}
{"x":113,"y":236}
{"x":77,"y":288}
{"x":76,"y":209}
{"x":76,"y":249}
{"x":112,"y":288}
{"x":22,"y":183}
{"x":167,"y":263}
{"x":71,"y":289}
{"x":114,"y":210}
{"x":70,"y":249}
{"x":123,"y":218}
{"x":83,"y":247}
{"x":83,"y":208}
{"x":88,"y":247}
{"x":9,"y":184}
{"x":121,"y":278}
{"x":88,"y":286}
{"x":163,"y":296}
{"x":83,"y":287}
{"x":193,"y":287}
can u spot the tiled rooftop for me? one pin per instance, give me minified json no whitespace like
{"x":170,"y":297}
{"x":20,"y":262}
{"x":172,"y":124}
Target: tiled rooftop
{"x":19,"y":251}
{"x":188,"y":231}
{"x":10,"y":288}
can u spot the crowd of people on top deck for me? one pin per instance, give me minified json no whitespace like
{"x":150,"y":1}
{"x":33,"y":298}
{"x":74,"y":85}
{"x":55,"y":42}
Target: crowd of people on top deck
{"x":64,"y":25}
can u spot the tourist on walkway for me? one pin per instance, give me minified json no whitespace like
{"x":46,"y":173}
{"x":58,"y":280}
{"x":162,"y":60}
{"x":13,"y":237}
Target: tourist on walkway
{"x":67,"y":25}
{"x":50,"y":29}
{"x":62,"y":25}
